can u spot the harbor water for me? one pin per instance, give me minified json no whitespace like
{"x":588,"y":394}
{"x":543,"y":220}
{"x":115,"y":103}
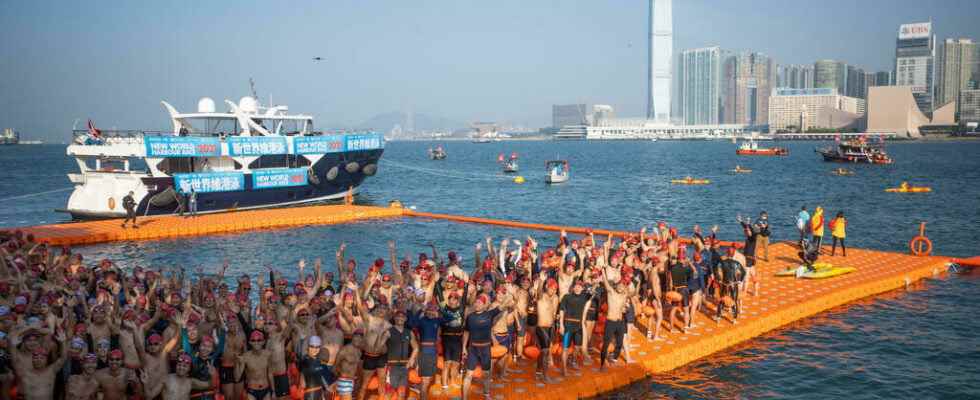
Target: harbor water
{"x":916,"y":344}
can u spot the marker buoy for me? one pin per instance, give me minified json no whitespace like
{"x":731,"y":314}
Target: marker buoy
{"x":920,"y":245}
{"x":519,"y":179}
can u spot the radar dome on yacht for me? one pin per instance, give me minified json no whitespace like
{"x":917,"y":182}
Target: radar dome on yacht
{"x":248,"y":104}
{"x":205,"y":105}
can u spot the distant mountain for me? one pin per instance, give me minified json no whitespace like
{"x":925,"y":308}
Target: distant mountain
{"x":409,"y":122}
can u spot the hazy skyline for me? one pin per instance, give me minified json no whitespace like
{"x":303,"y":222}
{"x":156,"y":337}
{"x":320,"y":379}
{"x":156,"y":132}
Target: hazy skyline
{"x":466,"y":60}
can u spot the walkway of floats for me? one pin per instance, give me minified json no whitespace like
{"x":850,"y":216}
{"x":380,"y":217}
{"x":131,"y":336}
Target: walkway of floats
{"x":781,"y":301}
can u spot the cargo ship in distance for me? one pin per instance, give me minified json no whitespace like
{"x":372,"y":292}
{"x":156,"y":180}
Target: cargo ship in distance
{"x":248,"y":157}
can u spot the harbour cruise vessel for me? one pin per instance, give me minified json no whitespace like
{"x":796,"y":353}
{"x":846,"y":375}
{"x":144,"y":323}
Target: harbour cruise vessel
{"x":9,"y":136}
{"x":248,"y":157}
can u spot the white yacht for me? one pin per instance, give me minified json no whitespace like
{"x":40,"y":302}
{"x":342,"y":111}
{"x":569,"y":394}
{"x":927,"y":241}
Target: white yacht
{"x":247,"y":157}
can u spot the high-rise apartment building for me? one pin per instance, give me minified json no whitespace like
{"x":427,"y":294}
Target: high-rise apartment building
{"x":854,"y":82}
{"x":660,"y":55}
{"x":915,"y":53}
{"x":794,"y":76}
{"x":700,"y":85}
{"x":880,"y":78}
{"x":828,"y":74}
{"x":957,"y":69}
{"x":748,"y":78}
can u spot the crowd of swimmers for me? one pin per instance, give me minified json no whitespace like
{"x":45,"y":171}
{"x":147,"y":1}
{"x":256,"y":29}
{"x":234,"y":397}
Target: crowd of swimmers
{"x":74,"y":329}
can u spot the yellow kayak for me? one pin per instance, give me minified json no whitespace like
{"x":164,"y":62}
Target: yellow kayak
{"x":842,"y":172}
{"x":741,"y":171}
{"x":910,"y":189}
{"x":690,"y":181}
{"x":820,"y":270}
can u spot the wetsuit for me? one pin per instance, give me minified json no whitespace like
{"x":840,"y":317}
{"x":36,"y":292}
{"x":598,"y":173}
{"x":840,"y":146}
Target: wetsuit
{"x":732,"y":273}
{"x":573,"y":305}
{"x":680,"y":275}
{"x":130,"y":205}
{"x":317,"y":376}
{"x":399,"y":351}
{"x":478,"y":326}
{"x":452,"y":334}
{"x":428,"y":329}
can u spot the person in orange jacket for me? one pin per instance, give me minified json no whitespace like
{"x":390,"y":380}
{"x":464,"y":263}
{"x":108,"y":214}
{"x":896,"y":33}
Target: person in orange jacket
{"x":838,"y":229}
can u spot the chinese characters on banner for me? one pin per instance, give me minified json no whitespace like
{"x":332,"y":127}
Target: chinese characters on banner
{"x":207,"y":182}
{"x":274,"y":178}
{"x":318,"y":144}
{"x":256,"y":145}
{"x":369,"y":141}
{"x":177,"y":146}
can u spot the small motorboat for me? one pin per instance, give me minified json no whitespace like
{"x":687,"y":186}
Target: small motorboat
{"x":509,"y":165}
{"x":739,"y":170}
{"x":557,"y":171}
{"x":751,"y":148}
{"x":842,"y":172}
{"x":437,"y":154}
{"x":690,"y":181}
{"x":905,"y":188}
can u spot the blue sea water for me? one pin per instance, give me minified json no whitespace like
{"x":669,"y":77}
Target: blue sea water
{"x":916,"y":344}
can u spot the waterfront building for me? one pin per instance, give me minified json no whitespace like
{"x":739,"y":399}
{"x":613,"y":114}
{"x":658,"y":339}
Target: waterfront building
{"x":893,"y":109}
{"x":602,"y":112}
{"x":568,"y":114}
{"x":800,"y":110}
{"x":748,"y":78}
{"x":645,"y":129}
{"x":659,"y":57}
{"x":915,"y":52}
{"x":795,"y":76}
{"x":957,"y":69}
{"x":700,"y":85}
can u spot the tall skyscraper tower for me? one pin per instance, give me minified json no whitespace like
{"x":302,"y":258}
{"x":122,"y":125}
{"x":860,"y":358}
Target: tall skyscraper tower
{"x":915,"y":53}
{"x":660,"y":53}
{"x":957,"y":69}
{"x":701,"y":85}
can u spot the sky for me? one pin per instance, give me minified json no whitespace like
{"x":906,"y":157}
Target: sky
{"x":467,"y":60}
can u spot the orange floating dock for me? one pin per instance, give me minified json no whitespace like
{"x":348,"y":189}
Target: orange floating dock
{"x":782,"y":300}
{"x":164,"y":227}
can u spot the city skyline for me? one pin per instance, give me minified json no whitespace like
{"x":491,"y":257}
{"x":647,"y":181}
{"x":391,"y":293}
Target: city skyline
{"x":467,"y":61}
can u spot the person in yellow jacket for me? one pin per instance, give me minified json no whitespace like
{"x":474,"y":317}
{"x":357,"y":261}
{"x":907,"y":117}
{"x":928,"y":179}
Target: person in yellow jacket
{"x":816,"y":227}
{"x":838,"y":229}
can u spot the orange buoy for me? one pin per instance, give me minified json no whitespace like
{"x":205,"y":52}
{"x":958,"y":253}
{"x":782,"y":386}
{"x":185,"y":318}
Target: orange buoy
{"x":478,"y":372}
{"x":674,"y":296}
{"x":921,"y":245}
{"x":532,"y":352}
{"x":413,"y":376}
{"x":373,"y":383}
{"x":498,"y":351}
{"x":728,"y":301}
{"x":295,"y":392}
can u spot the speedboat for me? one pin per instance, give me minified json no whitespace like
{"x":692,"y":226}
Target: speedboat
{"x":509,"y":165}
{"x":438,"y":153}
{"x":245,"y":158}
{"x":557,"y":171}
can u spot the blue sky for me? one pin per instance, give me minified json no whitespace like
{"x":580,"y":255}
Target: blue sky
{"x":505,"y":60}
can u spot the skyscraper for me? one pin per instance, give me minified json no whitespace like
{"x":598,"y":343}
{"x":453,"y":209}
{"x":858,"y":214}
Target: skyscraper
{"x":827,"y":74}
{"x":882,"y":78}
{"x":957,"y":69}
{"x":915,"y":53}
{"x":795,"y":76}
{"x":700,"y":85}
{"x":659,"y":59}
{"x":854,"y":82}
{"x":749,"y":78}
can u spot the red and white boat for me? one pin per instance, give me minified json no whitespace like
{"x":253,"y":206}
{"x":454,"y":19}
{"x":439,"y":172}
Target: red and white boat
{"x":751,"y":148}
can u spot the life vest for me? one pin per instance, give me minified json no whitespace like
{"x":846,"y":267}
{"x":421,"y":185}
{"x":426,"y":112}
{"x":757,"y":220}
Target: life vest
{"x":838,"y":227}
{"x":816,"y":222}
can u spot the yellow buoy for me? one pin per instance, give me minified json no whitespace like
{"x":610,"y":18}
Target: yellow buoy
{"x":519,"y":179}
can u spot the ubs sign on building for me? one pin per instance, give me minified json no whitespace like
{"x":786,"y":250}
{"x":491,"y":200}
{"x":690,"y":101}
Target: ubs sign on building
{"x":915,"y":54}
